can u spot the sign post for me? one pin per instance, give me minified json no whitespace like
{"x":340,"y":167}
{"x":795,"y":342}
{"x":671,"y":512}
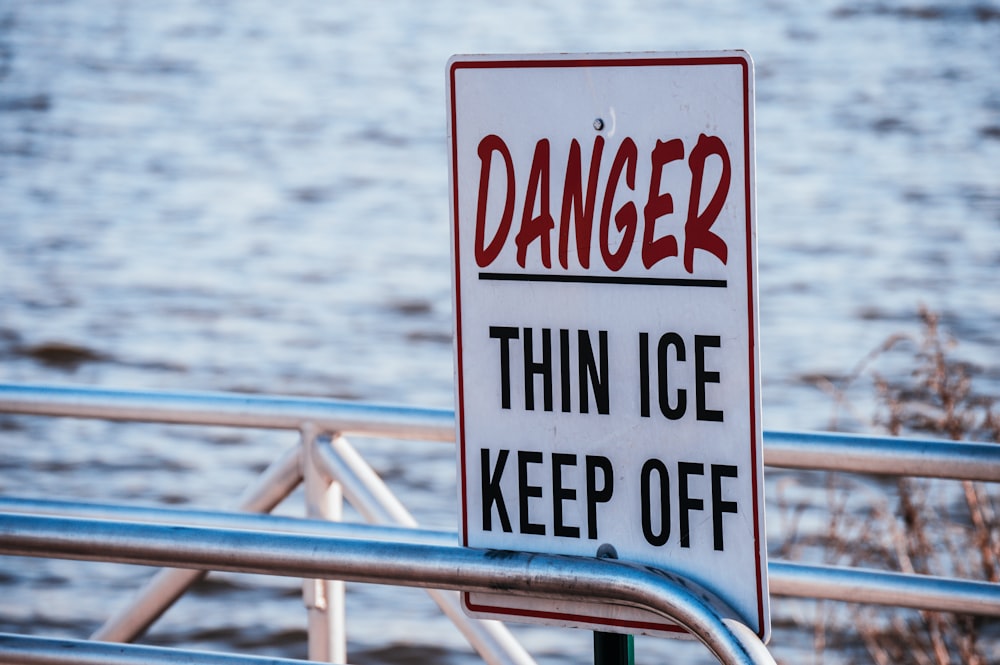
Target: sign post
{"x":612,"y":648}
{"x":604,"y":277}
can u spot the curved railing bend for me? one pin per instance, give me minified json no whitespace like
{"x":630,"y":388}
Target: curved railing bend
{"x":384,"y":562}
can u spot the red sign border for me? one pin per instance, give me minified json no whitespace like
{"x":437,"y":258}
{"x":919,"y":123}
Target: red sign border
{"x":743,"y":61}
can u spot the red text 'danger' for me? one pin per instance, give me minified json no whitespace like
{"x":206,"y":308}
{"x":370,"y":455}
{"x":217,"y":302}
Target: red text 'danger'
{"x":579,"y":204}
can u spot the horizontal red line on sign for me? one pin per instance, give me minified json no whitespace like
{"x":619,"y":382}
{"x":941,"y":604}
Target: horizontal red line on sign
{"x":602,"y":279}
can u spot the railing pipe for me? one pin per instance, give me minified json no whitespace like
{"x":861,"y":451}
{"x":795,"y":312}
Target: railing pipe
{"x":273,"y":486}
{"x":30,"y":650}
{"x":424,"y":566}
{"x":371,"y":497}
{"x":883,"y":455}
{"x":366,"y":490}
{"x":831,"y":451}
{"x":924,"y":592}
{"x":224,"y":520}
{"x":167,"y":586}
{"x":857,"y":585}
{"x":324,"y":599}
{"x":228,"y":409}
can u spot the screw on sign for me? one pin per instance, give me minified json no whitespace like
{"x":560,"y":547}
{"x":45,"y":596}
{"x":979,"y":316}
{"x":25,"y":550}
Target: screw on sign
{"x":604,"y":258}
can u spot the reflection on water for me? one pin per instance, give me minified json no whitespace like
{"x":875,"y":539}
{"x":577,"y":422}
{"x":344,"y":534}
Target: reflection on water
{"x":245,"y":196}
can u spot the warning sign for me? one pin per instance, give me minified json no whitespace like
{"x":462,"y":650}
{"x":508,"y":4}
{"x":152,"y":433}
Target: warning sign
{"x":606,"y":320}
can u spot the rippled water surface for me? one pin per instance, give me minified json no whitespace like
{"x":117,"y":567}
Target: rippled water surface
{"x":252,"y":196}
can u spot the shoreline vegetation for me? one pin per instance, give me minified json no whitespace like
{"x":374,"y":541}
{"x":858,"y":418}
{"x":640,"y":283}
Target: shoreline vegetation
{"x":911,"y":525}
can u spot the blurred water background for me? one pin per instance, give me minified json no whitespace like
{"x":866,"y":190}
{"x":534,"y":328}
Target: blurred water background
{"x":201,"y":196}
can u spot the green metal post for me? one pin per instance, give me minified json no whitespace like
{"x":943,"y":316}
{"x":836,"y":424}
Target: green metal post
{"x":613,"y":649}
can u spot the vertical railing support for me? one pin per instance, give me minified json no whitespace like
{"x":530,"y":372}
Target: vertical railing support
{"x":369,"y":495}
{"x":324,"y":599}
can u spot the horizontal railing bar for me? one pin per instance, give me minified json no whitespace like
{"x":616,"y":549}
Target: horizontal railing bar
{"x":939,"y":594}
{"x":229,"y":409}
{"x":799,"y":450}
{"x":31,"y":650}
{"x":883,"y":455}
{"x":860,"y":585}
{"x":405,"y":564}
{"x":224,"y":520}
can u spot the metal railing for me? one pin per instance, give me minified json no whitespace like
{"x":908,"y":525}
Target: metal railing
{"x":403,"y":554}
{"x":384,"y":562}
{"x":829,"y":451}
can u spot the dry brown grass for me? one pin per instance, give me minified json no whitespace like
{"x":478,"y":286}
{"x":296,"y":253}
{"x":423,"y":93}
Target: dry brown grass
{"x":919,"y":526}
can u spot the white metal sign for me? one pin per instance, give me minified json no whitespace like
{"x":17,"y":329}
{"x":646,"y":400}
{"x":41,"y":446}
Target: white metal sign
{"x":606,"y":320}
